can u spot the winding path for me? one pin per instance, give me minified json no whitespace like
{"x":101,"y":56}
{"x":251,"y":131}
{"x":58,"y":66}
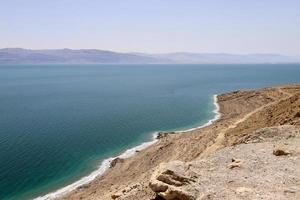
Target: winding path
{"x":221,"y":137}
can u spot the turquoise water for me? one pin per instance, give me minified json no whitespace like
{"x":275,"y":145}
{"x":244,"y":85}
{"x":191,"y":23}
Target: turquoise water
{"x":58,"y":122}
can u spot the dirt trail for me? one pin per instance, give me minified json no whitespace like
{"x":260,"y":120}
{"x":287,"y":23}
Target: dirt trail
{"x":219,"y":141}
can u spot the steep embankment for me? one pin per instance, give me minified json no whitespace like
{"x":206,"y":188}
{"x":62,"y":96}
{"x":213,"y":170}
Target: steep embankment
{"x":214,"y":162}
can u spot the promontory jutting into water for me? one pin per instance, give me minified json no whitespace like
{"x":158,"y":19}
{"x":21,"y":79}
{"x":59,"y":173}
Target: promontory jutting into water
{"x":59,"y":122}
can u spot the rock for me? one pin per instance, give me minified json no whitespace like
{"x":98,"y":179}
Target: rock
{"x":297,"y":114}
{"x":172,"y":181}
{"x":280,"y":151}
{"x":236,"y":160}
{"x":115,"y":196}
{"x":157,"y":186}
{"x":290,"y":136}
{"x":158,"y":198}
{"x":177,"y":194}
{"x":289,"y":191}
{"x":161,"y":135}
{"x":115,"y":161}
{"x":85,"y":186}
{"x":235,"y":163}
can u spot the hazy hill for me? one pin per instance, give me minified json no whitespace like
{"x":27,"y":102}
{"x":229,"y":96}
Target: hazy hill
{"x":184,"y":57}
{"x":84,"y":56}
{"x":17,"y":55}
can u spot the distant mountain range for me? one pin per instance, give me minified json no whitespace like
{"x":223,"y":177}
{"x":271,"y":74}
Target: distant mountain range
{"x":93,"y":56}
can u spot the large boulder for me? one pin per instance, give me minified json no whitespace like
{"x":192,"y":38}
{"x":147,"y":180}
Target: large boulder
{"x":174,"y":181}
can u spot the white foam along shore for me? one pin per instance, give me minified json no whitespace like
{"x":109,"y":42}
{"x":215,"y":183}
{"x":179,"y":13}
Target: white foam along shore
{"x":128,"y":153}
{"x":216,"y":117}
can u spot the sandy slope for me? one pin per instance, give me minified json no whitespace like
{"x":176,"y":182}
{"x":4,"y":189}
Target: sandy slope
{"x":244,"y":171}
{"x":244,"y":114}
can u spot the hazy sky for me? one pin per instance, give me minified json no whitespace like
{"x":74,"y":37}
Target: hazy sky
{"x":231,"y":26}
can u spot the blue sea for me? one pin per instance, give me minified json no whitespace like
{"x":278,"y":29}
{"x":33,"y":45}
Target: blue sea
{"x":59,"y":122}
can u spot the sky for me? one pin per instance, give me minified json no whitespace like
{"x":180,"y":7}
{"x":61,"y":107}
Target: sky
{"x":153,"y":26}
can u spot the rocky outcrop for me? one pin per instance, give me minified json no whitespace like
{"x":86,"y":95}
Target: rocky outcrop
{"x":235,"y":163}
{"x":161,"y":135}
{"x":115,"y":161}
{"x":174,"y":180}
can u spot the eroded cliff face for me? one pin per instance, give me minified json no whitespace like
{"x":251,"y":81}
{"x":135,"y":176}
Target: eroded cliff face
{"x":230,"y":159}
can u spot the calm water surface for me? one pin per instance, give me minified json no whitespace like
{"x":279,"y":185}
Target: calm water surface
{"x":57,"y":122}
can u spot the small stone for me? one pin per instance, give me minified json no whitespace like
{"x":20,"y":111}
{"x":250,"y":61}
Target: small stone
{"x":235,"y":163}
{"x":297,"y":114}
{"x":115,"y":196}
{"x":84,"y":186}
{"x":161,"y":135}
{"x":115,"y":161}
{"x":280,"y":151}
{"x":290,"y":136}
{"x":289,"y":191}
{"x":236,"y":160}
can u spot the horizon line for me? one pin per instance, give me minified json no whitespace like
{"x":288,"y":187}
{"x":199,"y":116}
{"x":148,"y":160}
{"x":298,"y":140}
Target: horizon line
{"x":149,"y":53}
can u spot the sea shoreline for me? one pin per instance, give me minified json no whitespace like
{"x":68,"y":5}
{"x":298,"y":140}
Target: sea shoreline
{"x":245,"y":116}
{"x":106,"y":163}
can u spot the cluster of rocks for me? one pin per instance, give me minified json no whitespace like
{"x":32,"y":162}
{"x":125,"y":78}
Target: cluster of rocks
{"x":161,"y":135}
{"x":173,"y":180}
